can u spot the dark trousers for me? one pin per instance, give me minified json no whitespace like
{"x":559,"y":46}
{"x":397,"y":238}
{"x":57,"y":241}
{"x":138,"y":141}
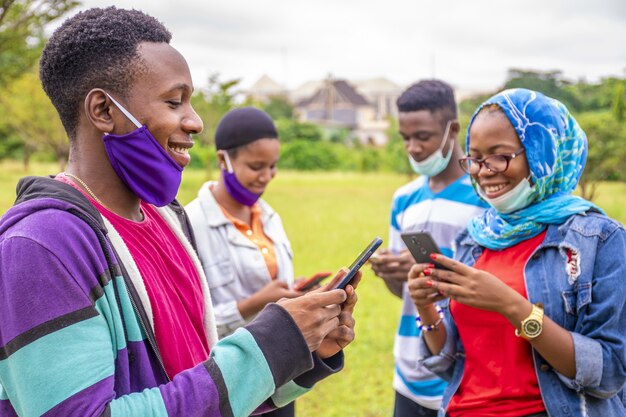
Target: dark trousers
{"x":287,"y":411}
{"x":407,"y":408}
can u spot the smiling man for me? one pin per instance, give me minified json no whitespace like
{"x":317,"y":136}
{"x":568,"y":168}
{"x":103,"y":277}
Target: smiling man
{"x":105,"y":309}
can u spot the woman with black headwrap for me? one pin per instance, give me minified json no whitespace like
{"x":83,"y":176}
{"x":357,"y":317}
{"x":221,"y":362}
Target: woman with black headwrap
{"x":245,"y":252}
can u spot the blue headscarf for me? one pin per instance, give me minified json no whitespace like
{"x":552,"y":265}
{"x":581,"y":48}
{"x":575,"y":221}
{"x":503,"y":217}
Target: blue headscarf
{"x":556,"y":150}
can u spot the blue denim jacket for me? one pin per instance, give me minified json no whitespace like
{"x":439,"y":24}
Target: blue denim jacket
{"x":579,"y":274}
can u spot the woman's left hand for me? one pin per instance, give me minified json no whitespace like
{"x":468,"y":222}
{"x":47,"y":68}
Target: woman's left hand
{"x":471,"y":286}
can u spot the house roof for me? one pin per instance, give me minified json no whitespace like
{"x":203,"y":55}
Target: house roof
{"x":266,"y":85}
{"x":377,"y":85}
{"x":335,"y":92}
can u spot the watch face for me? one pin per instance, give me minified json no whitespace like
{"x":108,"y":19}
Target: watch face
{"x":532,"y":328}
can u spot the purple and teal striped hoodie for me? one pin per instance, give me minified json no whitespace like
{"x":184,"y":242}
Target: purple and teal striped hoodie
{"x":75,"y":327}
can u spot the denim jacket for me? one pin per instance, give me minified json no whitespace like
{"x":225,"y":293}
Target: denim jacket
{"x":579,"y":274}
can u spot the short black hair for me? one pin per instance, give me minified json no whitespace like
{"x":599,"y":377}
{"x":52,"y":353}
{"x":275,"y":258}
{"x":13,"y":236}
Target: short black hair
{"x":431,"y":95}
{"x":96,"y":48}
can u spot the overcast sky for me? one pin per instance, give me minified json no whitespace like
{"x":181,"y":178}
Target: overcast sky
{"x":469,"y":43}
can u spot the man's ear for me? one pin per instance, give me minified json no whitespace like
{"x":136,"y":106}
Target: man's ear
{"x":455,"y":128}
{"x":98,"y":110}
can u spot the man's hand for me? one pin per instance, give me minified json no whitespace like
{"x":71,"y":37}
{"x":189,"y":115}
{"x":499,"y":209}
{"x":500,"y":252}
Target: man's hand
{"x":316,"y":314}
{"x":344,"y":334}
{"x":392,"y":267}
{"x":324,"y":315}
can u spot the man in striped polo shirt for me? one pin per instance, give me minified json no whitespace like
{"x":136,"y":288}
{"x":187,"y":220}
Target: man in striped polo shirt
{"x":440,"y":201}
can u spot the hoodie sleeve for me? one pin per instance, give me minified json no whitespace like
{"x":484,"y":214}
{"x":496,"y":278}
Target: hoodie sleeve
{"x":70,"y":347}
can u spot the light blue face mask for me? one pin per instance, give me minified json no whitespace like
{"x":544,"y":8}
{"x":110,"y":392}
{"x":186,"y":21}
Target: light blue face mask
{"x":519,"y":197}
{"x":436,"y":162}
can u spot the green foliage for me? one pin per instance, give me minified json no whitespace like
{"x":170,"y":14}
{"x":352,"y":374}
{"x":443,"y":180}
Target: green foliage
{"x":293,"y":130}
{"x":340,"y":135}
{"x":395,"y":153}
{"x":308,"y":156}
{"x":212,"y":103}
{"x":619,"y":107}
{"x":551,"y":83}
{"x":278,"y":107}
{"x":22,"y":24}
{"x":607,"y":151}
{"x":597,"y":96}
{"x":31,"y":119}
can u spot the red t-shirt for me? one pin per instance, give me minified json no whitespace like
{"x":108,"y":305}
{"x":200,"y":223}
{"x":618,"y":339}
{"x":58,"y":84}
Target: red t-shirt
{"x":172,"y":283}
{"x":499,"y":379}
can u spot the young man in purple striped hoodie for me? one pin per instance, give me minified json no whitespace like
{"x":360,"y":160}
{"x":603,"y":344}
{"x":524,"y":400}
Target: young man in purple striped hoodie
{"x":103,"y":303}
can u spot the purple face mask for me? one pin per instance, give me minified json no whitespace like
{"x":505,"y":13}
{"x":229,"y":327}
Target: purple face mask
{"x":234,"y":187}
{"x":142,"y":163}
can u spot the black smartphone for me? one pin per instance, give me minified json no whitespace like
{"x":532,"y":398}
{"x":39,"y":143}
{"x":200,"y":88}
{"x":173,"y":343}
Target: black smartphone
{"x":359,"y":261}
{"x":421,"y":245}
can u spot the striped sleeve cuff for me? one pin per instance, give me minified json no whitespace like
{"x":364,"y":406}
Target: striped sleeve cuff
{"x":282,"y":343}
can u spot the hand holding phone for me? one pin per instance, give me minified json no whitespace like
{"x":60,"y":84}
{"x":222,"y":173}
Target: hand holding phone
{"x":359,"y":261}
{"x":421,"y":245}
{"x":310,"y":283}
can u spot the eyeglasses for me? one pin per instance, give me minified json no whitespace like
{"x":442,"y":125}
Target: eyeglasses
{"x":494,"y":163}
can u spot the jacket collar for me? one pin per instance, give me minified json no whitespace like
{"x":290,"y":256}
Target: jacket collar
{"x":40,"y":188}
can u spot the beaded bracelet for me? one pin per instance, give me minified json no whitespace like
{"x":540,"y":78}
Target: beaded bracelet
{"x":429,"y":327}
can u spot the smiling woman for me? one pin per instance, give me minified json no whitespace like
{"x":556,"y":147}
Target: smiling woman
{"x":534,"y":276}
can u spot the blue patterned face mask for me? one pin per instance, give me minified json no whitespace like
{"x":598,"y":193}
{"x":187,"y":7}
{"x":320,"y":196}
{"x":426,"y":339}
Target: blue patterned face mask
{"x":436,"y":162}
{"x":519,"y":197}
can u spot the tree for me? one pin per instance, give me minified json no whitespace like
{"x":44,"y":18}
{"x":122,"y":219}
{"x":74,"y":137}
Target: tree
{"x":30,"y":116}
{"x":292,"y":130}
{"x":278,"y":107}
{"x":22,"y":24}
{"x":550,"y":83}
{"x":607,"y":150}
{"x":211,"y":104}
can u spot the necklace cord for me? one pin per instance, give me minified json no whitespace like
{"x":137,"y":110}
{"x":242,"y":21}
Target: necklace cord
{"x":85,"y":186}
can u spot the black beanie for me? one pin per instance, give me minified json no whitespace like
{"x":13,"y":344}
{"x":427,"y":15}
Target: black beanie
{"x":241,"y":126}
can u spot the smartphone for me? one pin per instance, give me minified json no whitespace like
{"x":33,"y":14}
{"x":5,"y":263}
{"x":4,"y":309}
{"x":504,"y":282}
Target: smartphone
{"x":309,"y":283}
{"x":421,"y":245}
{"x":359,"y":261}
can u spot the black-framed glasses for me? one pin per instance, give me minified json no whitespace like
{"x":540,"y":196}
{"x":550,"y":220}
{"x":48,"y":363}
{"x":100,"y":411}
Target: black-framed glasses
{"x":494,"y":163}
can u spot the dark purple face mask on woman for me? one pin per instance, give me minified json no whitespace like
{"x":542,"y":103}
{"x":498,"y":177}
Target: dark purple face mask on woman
{"x":235,"y":188}
{"x":142,"y":163}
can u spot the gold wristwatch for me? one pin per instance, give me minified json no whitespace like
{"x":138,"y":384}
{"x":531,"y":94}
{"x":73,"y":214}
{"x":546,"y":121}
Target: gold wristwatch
{"x":533,"y":324}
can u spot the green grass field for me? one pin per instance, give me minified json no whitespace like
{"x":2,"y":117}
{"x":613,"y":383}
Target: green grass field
{"x":329,"y":218}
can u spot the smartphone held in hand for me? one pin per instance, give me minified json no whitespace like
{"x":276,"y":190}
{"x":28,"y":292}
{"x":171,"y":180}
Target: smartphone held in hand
{"x":421,"y":245}
{"x":359,"y":262}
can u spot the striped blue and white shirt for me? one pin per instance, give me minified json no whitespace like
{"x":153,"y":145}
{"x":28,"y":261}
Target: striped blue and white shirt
{"x":444,"y":215}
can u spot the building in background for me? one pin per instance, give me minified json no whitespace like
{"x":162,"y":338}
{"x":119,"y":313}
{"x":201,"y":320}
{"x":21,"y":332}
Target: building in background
{"x":363,"y":108}
{"x":264,"y":89}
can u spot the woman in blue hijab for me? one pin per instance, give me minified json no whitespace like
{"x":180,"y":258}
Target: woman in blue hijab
{"x":533,"y":320}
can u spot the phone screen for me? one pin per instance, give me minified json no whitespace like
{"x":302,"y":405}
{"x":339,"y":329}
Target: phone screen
{"x":359,"y":261}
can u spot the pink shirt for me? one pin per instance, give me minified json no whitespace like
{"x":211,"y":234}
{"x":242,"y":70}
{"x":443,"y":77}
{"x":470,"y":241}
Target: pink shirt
{"x":172,"y":283}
